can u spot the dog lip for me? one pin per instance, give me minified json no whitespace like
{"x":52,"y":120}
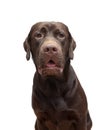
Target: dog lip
{"x":51,"y":63}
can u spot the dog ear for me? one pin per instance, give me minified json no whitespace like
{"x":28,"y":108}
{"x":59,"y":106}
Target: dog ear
{"x":71,"y":48}
{"x":27,"y":48}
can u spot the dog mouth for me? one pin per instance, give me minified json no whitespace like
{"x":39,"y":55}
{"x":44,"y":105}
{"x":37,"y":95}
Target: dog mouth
{"x":51,"y":64}
{"x":51,"y":68}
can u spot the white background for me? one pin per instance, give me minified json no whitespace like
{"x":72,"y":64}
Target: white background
{"x":85,"y":19}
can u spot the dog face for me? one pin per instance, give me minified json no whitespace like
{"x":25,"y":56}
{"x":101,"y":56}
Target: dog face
{"x":50,"y":44}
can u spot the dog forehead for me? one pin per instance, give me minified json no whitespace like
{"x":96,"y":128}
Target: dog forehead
{"x":49,"y":25}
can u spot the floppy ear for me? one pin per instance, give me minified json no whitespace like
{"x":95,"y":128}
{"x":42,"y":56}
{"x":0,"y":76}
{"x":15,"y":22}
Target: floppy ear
{"x":27,"y":48}
{"x":71,"y":48}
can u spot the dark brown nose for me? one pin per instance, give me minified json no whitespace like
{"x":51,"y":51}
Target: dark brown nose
{"x":50,"y":49}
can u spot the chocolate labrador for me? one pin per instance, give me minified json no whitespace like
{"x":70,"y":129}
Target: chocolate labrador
{"x":58,"y":99}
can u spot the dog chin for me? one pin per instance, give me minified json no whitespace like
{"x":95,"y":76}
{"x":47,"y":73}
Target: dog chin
{"x":54,"y":72}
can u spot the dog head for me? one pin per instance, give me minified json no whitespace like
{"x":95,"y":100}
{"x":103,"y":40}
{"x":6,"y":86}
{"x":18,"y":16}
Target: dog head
{"x":51,"y":45}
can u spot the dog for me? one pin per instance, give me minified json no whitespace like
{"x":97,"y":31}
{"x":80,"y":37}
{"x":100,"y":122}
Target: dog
{"x":58,"y":100}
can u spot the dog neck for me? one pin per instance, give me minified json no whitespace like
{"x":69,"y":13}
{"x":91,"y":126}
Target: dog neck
{"x":53,"y":86}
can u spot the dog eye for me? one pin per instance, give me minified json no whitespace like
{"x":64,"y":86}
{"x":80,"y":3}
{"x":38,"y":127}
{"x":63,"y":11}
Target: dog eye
{"x":61,"y":35}
{"x":39,"y":35}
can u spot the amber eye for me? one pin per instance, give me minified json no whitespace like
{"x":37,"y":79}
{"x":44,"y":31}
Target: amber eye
{"x":39,"y":35}
{"x":61,"y":35}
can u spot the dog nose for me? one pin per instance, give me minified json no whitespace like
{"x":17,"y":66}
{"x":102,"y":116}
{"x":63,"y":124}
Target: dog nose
{"x":50,"y":49}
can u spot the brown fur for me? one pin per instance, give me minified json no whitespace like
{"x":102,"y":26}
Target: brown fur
{"x":58,"y":99}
